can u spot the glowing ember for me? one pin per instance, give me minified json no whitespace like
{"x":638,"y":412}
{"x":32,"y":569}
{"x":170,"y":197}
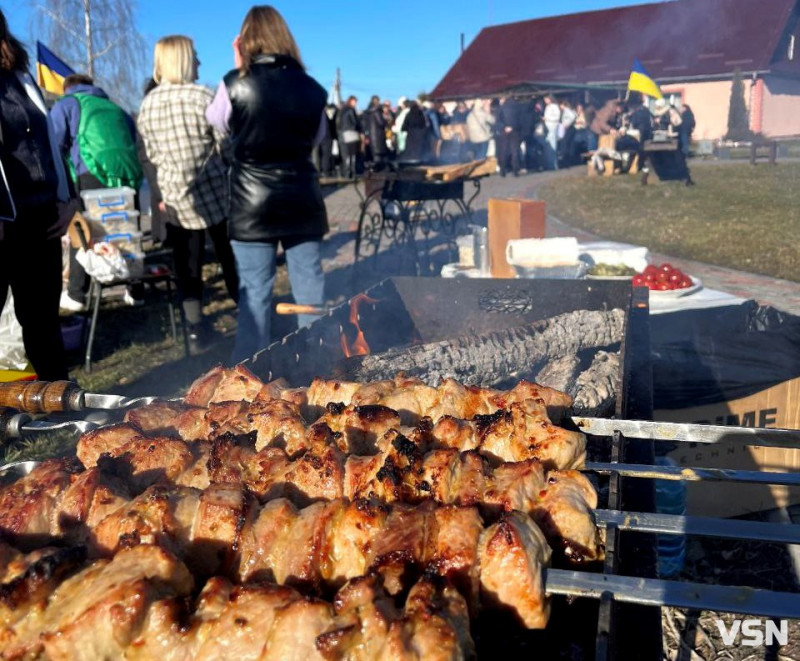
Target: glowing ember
{"x":359,"y":346}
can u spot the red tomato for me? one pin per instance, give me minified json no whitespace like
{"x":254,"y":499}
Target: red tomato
{"x":650,"y":269}
{"x":662,"y":276}
{"x":639,"y":281}
{"x":652,"y":285}
{"x":666,"y":267}
{"x":663,"y":286}
{"x":649,"y":277}
{"x":683,"y":284}
{"x":675,"y":277}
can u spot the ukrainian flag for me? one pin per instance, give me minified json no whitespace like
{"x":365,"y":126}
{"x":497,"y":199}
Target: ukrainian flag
{"x":50,"y":70}
{"x":640,"y":81}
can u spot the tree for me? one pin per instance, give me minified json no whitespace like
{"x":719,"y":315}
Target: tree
{"x":98,"y":38}
{"x":738,"y":116}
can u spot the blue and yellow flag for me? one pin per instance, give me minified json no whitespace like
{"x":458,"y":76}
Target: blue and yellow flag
{"x":640,"y":81}
{"x":50,"y":70}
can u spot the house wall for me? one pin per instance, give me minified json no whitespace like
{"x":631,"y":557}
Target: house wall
{"x":710,"y":101}
{"x":781,"y":107}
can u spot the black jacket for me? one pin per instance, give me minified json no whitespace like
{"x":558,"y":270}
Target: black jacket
{"x":376,"y":128}
{"x":276,"y":113}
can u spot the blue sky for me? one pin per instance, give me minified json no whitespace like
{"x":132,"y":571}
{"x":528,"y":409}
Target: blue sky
{"x":387,"y":48}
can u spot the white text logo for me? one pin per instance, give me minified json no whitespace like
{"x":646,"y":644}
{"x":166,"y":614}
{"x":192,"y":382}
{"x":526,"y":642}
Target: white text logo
{"x":755,"y":632}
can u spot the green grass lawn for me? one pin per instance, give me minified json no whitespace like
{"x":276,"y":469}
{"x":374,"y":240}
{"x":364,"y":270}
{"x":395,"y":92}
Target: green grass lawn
{"x":739,"y":216}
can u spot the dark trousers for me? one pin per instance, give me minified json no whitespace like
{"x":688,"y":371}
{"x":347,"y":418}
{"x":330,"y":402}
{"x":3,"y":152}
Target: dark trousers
{"x":32,"y":268}
{"x":350,"y":151}
{"x":188,"y":253}
{"x":508,"y":144}
{"x":326,"y":160}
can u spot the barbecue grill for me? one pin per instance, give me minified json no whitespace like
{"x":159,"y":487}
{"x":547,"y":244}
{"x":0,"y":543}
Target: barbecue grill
{"x":612,"y":611}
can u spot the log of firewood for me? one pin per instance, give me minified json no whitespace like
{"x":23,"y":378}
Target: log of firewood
{"x":487,"y":359}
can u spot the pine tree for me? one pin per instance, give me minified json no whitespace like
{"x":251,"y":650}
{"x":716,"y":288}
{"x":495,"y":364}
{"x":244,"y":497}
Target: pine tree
{"x":738,"y":116}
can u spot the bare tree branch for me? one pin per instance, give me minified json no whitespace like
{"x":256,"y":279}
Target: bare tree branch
{"x":105,"y":28}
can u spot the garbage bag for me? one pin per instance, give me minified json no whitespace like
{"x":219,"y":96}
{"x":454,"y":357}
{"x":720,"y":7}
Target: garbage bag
{"x":12,"y":350}
{"x":719,"y":354}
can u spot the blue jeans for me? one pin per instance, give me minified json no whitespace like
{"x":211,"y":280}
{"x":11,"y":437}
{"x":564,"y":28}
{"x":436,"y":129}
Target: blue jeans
{"x":255,"y":263}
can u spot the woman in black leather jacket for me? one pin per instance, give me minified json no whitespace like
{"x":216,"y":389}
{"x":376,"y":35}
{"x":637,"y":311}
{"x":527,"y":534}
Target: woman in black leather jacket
{"x":273,"y":112}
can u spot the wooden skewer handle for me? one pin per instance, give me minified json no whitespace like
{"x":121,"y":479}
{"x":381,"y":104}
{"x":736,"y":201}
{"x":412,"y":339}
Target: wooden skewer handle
{"x":42,"y":396}
{"x":295,"y":308}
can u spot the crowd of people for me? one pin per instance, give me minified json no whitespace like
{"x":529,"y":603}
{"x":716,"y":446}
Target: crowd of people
{"x":241,"y":166}
{"x":234,"y":165}
{"x":525,"y":133}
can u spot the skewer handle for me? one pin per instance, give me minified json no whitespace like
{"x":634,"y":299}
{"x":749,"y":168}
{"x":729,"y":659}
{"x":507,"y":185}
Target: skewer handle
{"x":42,"y":396}
{"x":11,"y":422}
{"x":295,"y":308}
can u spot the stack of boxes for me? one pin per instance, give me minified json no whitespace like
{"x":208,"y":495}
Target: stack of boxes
{"x":112,"y":217}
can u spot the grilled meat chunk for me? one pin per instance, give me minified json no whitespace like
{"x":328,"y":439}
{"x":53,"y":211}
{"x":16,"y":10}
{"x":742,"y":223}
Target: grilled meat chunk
{"x":224,"y":385}
{"x":96,"y":613}
{"x":159,"y":417}
{"x":105,"y":440}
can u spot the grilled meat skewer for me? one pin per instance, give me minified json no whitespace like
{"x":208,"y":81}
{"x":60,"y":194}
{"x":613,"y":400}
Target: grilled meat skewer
{"x":224,"y":529}
{"x":135,"y":606}
{"x":560,"y":501}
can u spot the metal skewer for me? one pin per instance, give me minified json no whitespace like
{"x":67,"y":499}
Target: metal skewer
{"x":694,"y":474}
{"x":657,"y":592}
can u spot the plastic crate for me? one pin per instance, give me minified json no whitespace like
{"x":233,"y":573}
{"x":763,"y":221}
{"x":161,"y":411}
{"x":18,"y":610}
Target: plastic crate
{"x":100,"y":201}
{"x":120,"y":222}
{"x":126,"y":242}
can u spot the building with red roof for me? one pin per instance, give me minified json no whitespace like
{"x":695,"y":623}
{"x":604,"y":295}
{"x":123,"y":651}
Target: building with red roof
{"x":690,"y":47}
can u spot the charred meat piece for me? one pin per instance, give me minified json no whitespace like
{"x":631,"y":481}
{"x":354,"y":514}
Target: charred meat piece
{"x":29,"y":506}
{"x":278,"y":423}
{"x":512,"y":553}
{"x":224,"y":385}
{"x":358,"y":428}
{"x":105,"y":440}
{"x":98,"y":612}
{"x":159,"y":417}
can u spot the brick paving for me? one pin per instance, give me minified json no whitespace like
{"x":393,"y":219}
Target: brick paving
{"x":343,"y":210}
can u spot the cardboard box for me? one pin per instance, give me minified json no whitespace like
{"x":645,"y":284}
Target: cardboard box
{"x":778,"y":406}
{"x":512,"y":219}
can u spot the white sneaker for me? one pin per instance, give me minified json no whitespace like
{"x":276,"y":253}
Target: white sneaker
{"x":67,"y":303}
{"x":130,"y":300}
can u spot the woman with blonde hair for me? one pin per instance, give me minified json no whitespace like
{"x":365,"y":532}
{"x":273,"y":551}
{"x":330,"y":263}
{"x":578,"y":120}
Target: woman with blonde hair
{"x":192,"y":178}
{"x":274,"y":114}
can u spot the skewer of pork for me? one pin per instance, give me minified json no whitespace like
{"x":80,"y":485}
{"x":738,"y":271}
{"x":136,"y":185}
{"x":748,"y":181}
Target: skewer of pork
{"x":561,"y":502}
{"x":224,"y":529}
{"x":407,"y":394}
{"x":518,"y":432}
{"x":136,"y":606}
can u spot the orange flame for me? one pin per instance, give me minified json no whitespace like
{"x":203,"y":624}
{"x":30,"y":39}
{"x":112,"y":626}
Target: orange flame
{"x":359,"y":346}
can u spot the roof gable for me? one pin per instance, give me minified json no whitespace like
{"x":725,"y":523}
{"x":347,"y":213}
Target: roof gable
{"x":674,"y":40}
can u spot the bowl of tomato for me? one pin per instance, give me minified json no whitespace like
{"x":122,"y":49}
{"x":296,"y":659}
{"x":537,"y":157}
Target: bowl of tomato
{"x":665,"y":280}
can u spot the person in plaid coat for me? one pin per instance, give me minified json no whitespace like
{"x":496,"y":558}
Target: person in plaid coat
{"x":192,"y":176}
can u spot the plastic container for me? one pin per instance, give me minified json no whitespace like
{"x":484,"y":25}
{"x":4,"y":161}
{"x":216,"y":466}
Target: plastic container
{"x":99,"y":201}
{"x":670,"y":499}
{"x":466,"y":251}
{"x":126,"y":241}
{"x":120,"y":222}
{"x":557,"y":272}
{"x":480,"y":236}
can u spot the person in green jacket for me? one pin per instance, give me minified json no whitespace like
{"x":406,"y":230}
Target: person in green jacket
{"x":98,"y":141}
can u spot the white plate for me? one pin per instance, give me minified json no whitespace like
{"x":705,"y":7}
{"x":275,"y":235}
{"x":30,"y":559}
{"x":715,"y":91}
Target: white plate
{"x":697,"y":285}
